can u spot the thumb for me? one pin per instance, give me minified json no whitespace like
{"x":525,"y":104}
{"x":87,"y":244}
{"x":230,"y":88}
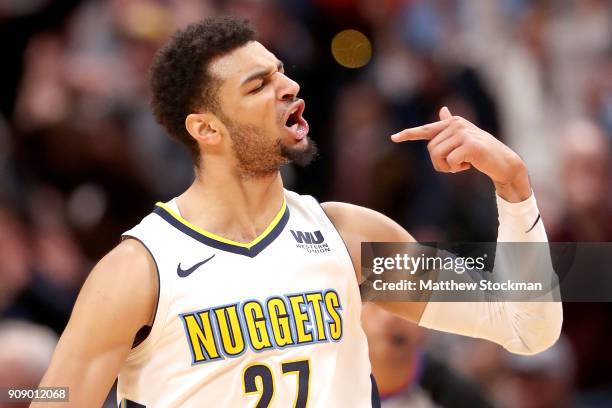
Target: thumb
{"x":445,"y":113}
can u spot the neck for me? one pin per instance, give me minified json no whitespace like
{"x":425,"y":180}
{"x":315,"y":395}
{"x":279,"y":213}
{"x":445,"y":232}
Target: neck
{"x":230,"y":206}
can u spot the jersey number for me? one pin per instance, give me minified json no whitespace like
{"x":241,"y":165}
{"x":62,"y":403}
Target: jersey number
{"x":266,"y":382}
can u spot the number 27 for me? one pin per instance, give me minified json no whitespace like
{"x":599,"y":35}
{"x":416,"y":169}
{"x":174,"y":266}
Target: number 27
{"x":266,"y":382}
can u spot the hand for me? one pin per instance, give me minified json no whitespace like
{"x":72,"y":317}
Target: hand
{"x":455,"y":144}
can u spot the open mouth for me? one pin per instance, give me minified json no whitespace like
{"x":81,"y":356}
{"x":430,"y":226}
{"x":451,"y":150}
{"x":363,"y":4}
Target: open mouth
{"x":294,"y":122}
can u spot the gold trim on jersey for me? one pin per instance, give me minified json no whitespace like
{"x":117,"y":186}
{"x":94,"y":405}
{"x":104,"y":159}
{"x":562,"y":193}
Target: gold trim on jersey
{"x":219,"y":238}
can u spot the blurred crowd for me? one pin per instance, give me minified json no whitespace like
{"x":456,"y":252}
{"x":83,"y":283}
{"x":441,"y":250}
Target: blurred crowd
{"x":82,"y":159}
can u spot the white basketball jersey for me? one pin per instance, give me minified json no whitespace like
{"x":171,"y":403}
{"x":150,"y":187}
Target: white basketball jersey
{"x":271,"y":323}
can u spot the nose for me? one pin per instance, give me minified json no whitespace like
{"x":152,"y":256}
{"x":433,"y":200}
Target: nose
{"x":288,"y":88}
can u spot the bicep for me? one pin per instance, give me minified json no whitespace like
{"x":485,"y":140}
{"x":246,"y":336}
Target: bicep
{"x":358,"y":224}
{"x":117,"y":299}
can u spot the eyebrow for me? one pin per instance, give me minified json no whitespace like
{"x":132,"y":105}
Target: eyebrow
{"x":263,"y":73}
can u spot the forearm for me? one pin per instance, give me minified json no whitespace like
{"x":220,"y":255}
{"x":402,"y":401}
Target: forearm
{"x":520,"y":327}
{"x":537,"y":325}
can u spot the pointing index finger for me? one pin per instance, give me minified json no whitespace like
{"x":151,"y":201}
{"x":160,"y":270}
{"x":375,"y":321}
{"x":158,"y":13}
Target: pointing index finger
{"x":425,"y":132}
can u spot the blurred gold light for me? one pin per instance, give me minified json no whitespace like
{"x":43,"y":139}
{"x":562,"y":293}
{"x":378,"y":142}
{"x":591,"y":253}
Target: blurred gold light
{"x":147,"y":21}
{"x":351,"y":49}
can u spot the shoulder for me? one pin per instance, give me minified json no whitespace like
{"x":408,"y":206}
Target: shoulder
{"x":125,"y":278}
{"x":130,"y":254}
{"x":364,"y":224}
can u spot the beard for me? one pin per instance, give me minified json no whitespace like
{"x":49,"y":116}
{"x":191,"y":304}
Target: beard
{"x":258,"y":157}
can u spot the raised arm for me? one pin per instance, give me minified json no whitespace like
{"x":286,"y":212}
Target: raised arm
{"x":118,"y":298}
{"x":456,"y":145}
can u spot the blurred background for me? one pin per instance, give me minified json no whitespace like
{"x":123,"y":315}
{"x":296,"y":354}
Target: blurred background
{"x":82,"y":159}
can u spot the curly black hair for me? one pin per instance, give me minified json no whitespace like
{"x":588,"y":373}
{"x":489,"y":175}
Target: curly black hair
{"x":180,"y":80}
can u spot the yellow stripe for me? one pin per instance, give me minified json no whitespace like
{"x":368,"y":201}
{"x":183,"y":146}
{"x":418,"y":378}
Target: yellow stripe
{"x":219,"y":238}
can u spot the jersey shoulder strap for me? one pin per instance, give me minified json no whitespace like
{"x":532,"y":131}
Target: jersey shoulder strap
{"x":153,"y":233}
{"x":320,"y":217}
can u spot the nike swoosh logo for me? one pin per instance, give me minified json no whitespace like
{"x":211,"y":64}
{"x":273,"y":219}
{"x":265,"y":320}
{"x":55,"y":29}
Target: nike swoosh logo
{"x":183,"y":273}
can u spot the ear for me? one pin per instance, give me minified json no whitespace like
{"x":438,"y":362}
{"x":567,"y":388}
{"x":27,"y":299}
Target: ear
{"x":204,"y":127}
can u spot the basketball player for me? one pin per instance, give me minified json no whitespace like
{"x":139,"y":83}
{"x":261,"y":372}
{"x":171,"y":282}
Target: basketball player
{"x":239,"y":293}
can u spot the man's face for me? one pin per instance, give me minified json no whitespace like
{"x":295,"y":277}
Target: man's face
{"x":261,"y":111}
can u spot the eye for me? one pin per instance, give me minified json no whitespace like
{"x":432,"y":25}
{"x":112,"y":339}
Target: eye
{"x":259,"y":88}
